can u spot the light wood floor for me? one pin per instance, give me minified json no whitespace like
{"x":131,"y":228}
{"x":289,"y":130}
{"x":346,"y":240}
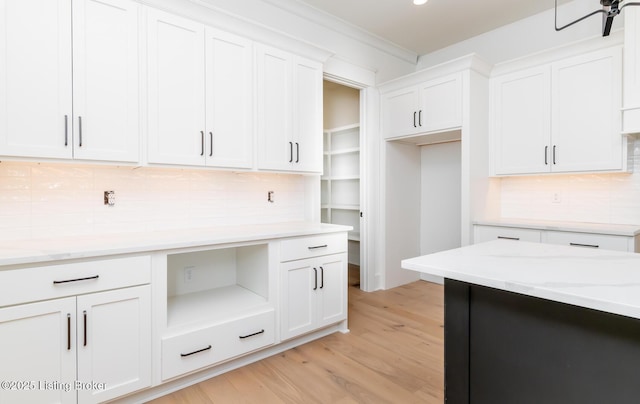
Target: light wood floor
{"x":393,"y":354}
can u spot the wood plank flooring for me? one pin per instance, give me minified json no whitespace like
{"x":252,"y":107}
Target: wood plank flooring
{"x":393,"y":354}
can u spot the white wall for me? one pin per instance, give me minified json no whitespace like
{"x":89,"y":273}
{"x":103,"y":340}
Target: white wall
{"x":440,"y":198}
{"x":341,"y":105}
{"x":530,"y":35}
{"x":39,"y":200}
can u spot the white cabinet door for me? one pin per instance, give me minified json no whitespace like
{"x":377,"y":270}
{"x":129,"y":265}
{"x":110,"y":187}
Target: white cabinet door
{"x":229,"y":101}
{"x":314,"y":294}
{"x":332,"y":297}
{"x":176,"y":89}
{"x":37,"y":343}
{"x":400,"y":112}
{"x":307,"y":115}
{"x":114,"y":342}
{"x":35,"y":78}
{"x":521,"y":121}
{"x":298,"y":300}
{"x":631,"y":80}
{"x":440,"y":104}
{"x":586,"y":117}
{"x":274,"y":114}
{"x":105,"y":80}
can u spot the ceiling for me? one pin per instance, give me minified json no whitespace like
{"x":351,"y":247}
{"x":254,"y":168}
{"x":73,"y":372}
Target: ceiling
{"x":435,"y":25}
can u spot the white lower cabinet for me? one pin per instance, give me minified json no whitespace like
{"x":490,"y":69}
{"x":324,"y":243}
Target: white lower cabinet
{"x":107,"y":333}
{"x":314,"y":294}
{"x":90,"y":346}
{"x":594,"y":239}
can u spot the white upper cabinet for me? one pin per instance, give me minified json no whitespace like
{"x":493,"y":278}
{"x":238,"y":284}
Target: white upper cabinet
{"x":200,"y":94}
{"x":521,"y":121}
{"x":432,"y":106}
{"x":36,"y":79}
{"x":229,"y":100}
{"x":559,"y":117}
{"x":289,"y":114}
{"x":105,"y":80}
{"x":176,"y":89}
{"x":631,"y":111}
{"x":586,"y":121}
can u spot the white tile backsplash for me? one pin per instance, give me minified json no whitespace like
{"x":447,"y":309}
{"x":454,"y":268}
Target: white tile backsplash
{"x":597,"y":198}
{"x":50,"y":199}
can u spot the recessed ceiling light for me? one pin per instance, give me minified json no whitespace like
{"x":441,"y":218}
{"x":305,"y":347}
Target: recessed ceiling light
{"x":419,"y":2}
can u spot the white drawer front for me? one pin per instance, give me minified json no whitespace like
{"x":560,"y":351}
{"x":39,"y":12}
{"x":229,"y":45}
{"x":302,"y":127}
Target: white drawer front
{"x":588,"y":240}
{"x":198,"y":349}
{"x":307,"y":247}
{"x":70,"y":279}
{"x":488,"y":233}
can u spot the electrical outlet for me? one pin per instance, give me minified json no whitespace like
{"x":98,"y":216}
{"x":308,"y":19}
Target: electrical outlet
{"x":556,"y":198}
{"x":188,"y":274}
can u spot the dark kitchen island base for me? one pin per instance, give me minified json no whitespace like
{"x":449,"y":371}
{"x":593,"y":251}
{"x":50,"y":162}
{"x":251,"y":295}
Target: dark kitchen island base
{"x":503,"y":348}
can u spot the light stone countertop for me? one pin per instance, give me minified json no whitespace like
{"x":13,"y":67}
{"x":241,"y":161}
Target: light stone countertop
{"x":604,"y":280}
{"x":580,"y":227}
{"x":32,"y":251}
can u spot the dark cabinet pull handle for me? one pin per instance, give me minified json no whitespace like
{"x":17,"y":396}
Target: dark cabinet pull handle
{"x":251,"y":335}
{"x":195,"y":352}
{"x":76,"y":280}
{"x":315,"y":285}
{"x":80,"y":131}
{"x":211,"y":144}
{"x":68,"y":331}
{"x":420,"y":118}
{"x":84,"y":315}
{"x":291,"y":152}
{"x":66,"y":130}
{"x":554,"y":154}
{"x":202,"y":143}
{"x":509,"y":238}
{"x":321,"y":277}
{"x":315,"y":247}
{"x":546,"y":155}
{"x":584,"y":245}
{"x":297,"y":152}
{"x":414,"y":119}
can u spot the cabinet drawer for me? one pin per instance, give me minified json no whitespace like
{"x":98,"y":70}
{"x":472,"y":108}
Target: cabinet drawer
{"x":198,"y":349}
{"x":588,"y":240}
{"x":307,"y":247}
{"x":70,"y":279}
{"x":488,"y":233}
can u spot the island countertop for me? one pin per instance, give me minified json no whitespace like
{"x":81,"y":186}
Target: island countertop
{"x":604,"y":280}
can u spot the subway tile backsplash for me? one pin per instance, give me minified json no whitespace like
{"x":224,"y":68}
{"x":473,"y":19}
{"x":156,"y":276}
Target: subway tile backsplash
{"x":597,"y":198}
{"x":55,"y":199}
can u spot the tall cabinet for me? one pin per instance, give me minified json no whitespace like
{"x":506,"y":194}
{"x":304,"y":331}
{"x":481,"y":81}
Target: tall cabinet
{"x":55,"y":105}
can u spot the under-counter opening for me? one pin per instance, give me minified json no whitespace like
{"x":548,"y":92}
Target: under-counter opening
{"x":215,"y":285}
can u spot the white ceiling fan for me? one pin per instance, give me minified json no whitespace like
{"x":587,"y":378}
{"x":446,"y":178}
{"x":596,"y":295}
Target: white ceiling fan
{"x":610,"y":8}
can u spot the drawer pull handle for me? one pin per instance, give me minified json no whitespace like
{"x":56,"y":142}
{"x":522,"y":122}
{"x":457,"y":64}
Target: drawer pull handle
{"x":584,"y":245}
{"x":508,"y":238}
{"x":317,"y":246}
{"x":251,"y":335}
{"x":195,"y":352}
{"x":77,"y":280}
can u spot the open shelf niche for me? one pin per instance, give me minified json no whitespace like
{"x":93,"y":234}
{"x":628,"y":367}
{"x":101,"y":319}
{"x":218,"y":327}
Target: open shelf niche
{"x":216,"y":285}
